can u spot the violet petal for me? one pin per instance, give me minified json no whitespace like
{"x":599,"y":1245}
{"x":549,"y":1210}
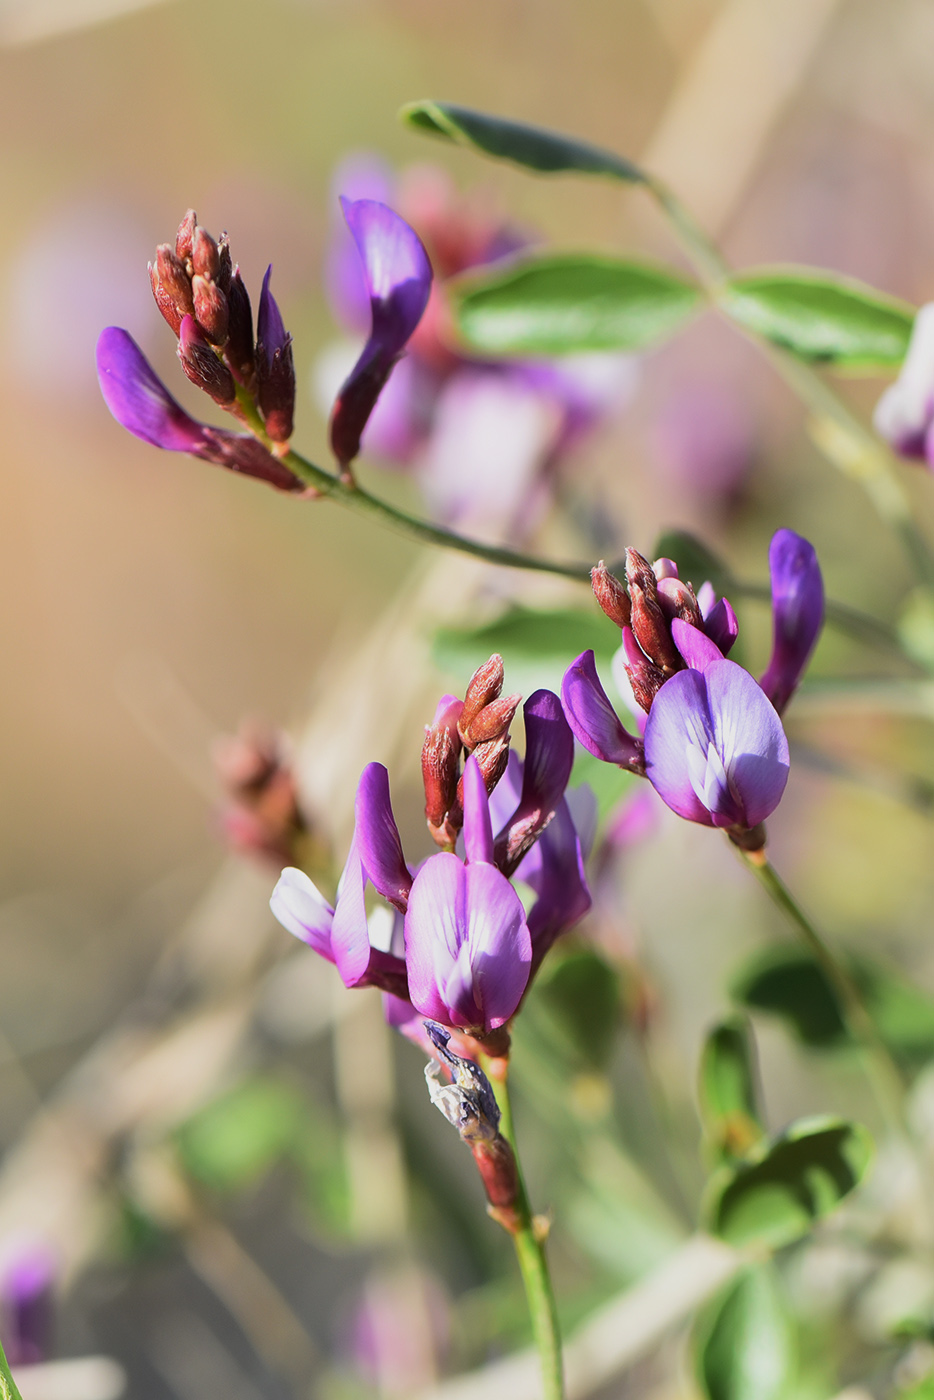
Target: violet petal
{"x":698,"y":650}
{"x":797,"y":613}
{"x":715,"y":748}
{"x":139,"y":400}
{"x":468,"y":949}
{"x":377,"y":837}
{"x":592,"y":718}
{"x":478,"y":828}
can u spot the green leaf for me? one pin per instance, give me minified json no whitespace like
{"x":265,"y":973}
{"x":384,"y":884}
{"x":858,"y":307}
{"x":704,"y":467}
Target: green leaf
{"x":563,"y":303}
{"x":236,"y":1139}
{"x":537,"y":646}
{"x":579,"y":993}
{"x":789,"y":1183}
{"x":727,"y":1089}
{"x":821,"y":317}
{"x":747,"y":1347}
{"x":788,"y":983}
{"x":547,"y":152}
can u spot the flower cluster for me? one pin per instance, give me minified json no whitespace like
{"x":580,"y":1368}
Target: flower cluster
{"x":462,"y":948}
{"x":713,"y":745}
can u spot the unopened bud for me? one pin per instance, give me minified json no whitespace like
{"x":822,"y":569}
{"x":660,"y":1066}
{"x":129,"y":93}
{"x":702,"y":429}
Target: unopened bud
{"x":439,"y":775}
{"x":238,"y":351}
{"x":224,"y":263}
{"x":205,"y":257}
{"x":665,"y":568}
{"x":211,"y":310}
{"x":491,"y":722}
{"x":678,"y":599}
{"x":611,"y":595}
{"x":492,"y":756}
{"x":645,"y":677}
{"x":171,"y":287}
{"x":484,"y":686}
{"x":185,"y":235}
{"x":202,"y":366}
{"x":649,"y":624}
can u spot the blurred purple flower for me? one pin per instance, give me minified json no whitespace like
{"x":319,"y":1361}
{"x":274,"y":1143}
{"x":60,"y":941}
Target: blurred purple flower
{"x":797,"y":613}
{"x":715,"y":749}
{"x":905,"y":413}
{"x":142,"y":404}
{"x":27,"y":1284}
{"x":398,"y":280}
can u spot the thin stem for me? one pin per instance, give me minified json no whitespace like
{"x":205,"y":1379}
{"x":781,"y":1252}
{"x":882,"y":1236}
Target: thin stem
{"x":530,"y":1251}
{"x":884,"y":1074}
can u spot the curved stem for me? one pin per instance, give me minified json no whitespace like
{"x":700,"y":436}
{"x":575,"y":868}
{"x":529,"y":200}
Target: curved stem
{"x":530,"y":1252}
{"x":882,"y":1071}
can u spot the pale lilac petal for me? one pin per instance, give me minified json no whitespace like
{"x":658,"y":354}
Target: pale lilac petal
{"x":715,"y":748}
{"x":592,"y":718}
{"x":905,"y":412}
{"x":468,"y":949}
{"x":721,"y":625}
{"x":697,"y":650}
{"x":302,"y":909}
{"x":350,"y":934}
{"x":478,"y":829}
{"x":797,"y":613}
{"x":138,"y":399}
{"x":378,"y":839}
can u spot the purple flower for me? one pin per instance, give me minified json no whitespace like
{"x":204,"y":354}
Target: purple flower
{"x":715,"y":750}
{"x":797,"y":613}
{"x":398,"y":277}
{"x":142,"y":404}
{"x":27,"y":1284}
{"x":467,"y":945}
{"x":905,"y":413}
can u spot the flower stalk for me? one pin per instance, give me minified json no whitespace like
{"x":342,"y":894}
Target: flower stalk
{"x":529,"y":1237}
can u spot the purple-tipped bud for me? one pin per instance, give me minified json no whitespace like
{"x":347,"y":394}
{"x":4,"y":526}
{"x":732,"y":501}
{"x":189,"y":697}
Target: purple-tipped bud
{"x":171,"y":286}
{"x":238,"y":352}
{"x":398,"y":279}
{"x":797,"y":613}
{"x":142,"y":404}
{"x":211,"y":310}
{"x":677,"y":599}
{"x":184,"y":239}
{"x":202,"y":366}
{"x":611,"y":595}
{"x":224,"y":263}
{"x":275,"y":370}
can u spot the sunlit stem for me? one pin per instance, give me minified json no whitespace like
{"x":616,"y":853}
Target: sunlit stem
{"x":882,"y":1071}
{"x":530,"y":1251}
{"x":836,"y":432}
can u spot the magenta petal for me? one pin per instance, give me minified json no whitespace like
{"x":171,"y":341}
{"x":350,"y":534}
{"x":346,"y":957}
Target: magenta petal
{"x":559,"y":881}
{"x":302,"y":909}
{"x":797,"y":613}
{"x":396,"y":267}
{"x":592,"y":718}
{"x":138,"y":399}
{"x":478,"y":828}
{"x":377,"y":837}
{"x":697,"y":650}
{"x":549,"y":752}
{"x":721,"y":625}
{"x":715,"y":748}
{"x":350,"y":937}
{"x":467,"y":944}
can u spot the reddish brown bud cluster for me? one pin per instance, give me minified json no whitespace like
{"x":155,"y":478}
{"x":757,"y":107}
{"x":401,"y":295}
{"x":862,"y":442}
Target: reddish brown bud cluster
{"x":645,"y":609}
{"x":202,"y":297}
{"x":478,"y":725}
{"x":261,"y":814}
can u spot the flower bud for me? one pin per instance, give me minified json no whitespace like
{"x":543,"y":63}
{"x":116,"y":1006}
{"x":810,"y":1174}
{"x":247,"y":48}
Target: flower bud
{"x":275,"y":369}
{"x":171,"y":286}
{"x":185,"y":236}
{"x":645,"y":677}
{"x":211,"y":310}
{"x":490,"y":722}
{"x":677,"y":599}
{"x":238,"y":352}
{"x":202,"y":366}
{"x":484,"y":686}
{"x":611,"y":595}
{"x":649,"y":624}
{"x":205,"y":257}
{"x":224,"y":263}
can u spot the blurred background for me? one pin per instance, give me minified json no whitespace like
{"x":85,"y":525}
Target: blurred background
{"x":153,"y":603}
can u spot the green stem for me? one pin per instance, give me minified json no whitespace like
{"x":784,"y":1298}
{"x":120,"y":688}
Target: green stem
{"x":8,"y":1387}
{"x":839,"y":435}
{"x":530,"y":1251}
{"x":882,"y":1071}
